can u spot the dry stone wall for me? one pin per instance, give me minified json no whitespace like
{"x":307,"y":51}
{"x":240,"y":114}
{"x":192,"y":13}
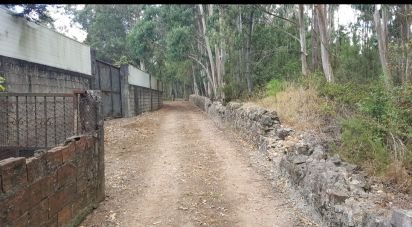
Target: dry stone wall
{"x":336,"y":191}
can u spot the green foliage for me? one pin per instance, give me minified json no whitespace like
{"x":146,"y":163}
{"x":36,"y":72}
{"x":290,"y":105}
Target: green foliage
{"x":122,"y":61}
{"x":106,"y":30}
{"x":348,"y":93}
{"x":362,"y":145}
{"x":327,"y":109}
{"x":273,"y":87}
{"x":141,"y":38}
{"x":377,"y":104}
{"x":32,"y":12}
{"x":380,"y":131}
{"x":177,"y":41}
{"x":2,"y":81}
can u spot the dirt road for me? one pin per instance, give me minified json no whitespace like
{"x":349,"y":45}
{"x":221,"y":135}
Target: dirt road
{"x":174,"y":167}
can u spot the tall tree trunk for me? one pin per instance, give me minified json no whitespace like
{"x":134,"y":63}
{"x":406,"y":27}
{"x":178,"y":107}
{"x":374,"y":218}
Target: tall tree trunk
{"x":195,"y":87}
{"x":218,"y":72}
{"x":327,"y":68}
{"x":241,"y":51}
{"x":247,"y":56}
{"x":381,"y":31}
{"x":315,"y":41}
{"x":142,"y":65}
{"x":331,"y":17}
{"x":406,"y":40}
{"x":209,"y":51}
{"x":208,"y":80}
{"x":222,"y":54}
{"x":302,"y":35}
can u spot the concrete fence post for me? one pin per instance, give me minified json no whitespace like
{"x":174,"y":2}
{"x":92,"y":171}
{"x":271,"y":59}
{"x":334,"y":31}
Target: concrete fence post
{"x":97,"y":98}
{"x":151,"y":92}
{"x":94,"y":81}
{"x":124,"y":87}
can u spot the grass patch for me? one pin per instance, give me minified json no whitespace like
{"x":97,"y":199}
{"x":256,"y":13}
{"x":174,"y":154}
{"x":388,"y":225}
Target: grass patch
{"x":298,"y":106}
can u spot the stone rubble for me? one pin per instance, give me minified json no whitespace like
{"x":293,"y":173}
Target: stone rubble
{"x":334,"y":188}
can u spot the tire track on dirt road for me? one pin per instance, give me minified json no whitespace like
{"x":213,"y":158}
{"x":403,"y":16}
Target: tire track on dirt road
{"x":188,"y":173}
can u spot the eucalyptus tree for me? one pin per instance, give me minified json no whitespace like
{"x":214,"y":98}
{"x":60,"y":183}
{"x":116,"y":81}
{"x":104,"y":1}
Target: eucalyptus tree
{"x":107,"y":27}
{"x":321,"y":19}
{"x":381,"y":27}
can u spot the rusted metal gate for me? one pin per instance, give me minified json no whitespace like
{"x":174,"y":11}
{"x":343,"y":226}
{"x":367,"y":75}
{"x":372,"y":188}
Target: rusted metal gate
{"x":108,"y":81}
{"x":30,"y":121}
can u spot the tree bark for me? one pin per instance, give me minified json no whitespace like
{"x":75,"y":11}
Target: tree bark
{"x":218,"y":72}
{"x":327,"y":68}
{"x":406,"y":40}
{"x":247,"y":55}
{"x":241,"y":51}
{"x":381,"y":31}
{"x":209,"y":51}
{"x":195,"y":87}
{"x":222,"y":55}
{"x":315,"y":41}
{"x":302,"y":34}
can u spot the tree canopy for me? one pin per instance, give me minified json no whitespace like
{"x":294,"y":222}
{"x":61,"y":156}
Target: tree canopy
{"x":228,"y":51}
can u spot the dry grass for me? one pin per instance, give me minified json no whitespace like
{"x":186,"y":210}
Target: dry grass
{"x":398,"y":175}
{"x":296,"y":106}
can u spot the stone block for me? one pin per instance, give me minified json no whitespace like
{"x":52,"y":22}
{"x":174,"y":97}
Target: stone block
{"x":81,"y":144}
{"x":22,"y":221}
{"x":15,"y":206}
{"x":64,"y":216}
{"x":39,"y":214}
{"x":36,"y":168}
{"x":68,"y":152}
{"x":13,"y":174}
{"x":54,"y":158}
{"x":66,"y":174}
{"x":61,"y":198}
{"x":401,"y":218}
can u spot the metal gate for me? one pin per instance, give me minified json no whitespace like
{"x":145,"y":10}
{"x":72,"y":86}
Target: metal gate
{"x":108,"y":81}
{"x":31,"y":121}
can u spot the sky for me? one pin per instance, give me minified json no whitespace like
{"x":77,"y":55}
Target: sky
{"x":345,"y":15}
{"x":63,"y":23}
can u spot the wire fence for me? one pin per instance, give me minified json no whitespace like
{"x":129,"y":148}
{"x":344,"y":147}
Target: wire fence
{"x":30,"y":121}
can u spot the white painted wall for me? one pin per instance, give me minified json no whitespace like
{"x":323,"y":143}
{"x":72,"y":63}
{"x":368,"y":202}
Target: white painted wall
{"x":28,"y":41}
{"x":138,"y":77}
{"x":154,"y":83}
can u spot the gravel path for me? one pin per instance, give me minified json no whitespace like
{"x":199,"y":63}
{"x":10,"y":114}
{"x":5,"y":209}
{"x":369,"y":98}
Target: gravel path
{"x":174,"y":167}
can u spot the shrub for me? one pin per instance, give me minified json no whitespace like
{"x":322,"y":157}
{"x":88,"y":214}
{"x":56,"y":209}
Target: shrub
{"x":2,"y":88}
{"x":362,"y":144}
{"x":273,"y":87}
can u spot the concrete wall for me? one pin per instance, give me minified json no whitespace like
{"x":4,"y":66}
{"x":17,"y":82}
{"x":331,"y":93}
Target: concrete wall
{"x":58,"y":187}
{"x":27,"y":77}
{"x":138,"y":97}
{"x":31,"y":42}
{"x":138,"y":78}
{"x":153,"y":82}
{"x":131,"y":101}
